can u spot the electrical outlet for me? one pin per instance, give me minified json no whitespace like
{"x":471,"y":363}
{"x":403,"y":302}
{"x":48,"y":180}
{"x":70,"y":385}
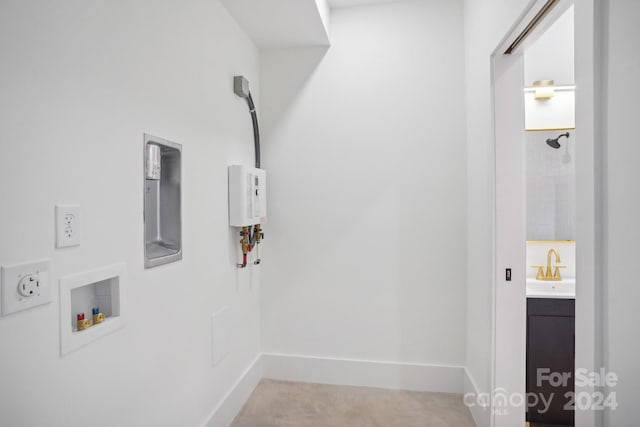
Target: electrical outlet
{"x":25,"y":286}
{"x":29,"y":285}
{"x":67,"y":226}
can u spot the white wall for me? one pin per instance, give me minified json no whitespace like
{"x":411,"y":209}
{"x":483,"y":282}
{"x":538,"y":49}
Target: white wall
{"x":551,"y":187}
{"x":80,"y":83}
{"x":485,"y":23}
{"x":622,"y":208}
{"x":364,"y":145}
{"x":324,"y":10}
{"x":551,"y":55}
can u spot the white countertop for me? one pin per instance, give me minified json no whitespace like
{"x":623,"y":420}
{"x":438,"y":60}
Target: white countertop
{"x":564,"y":289}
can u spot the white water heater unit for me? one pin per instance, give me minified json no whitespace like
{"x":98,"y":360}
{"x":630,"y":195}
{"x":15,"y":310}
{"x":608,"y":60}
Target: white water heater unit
{"x":247,"y":196}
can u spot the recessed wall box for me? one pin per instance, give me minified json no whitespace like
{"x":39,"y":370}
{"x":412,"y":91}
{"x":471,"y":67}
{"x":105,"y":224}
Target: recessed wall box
{"x":162,"y":194}
{"x":247,"y":196}
{"x":103,"y":288}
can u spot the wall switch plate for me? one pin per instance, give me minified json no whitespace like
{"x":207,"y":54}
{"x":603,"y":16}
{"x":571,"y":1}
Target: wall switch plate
{"x":67,"y":226}
{"x":25,"y":286}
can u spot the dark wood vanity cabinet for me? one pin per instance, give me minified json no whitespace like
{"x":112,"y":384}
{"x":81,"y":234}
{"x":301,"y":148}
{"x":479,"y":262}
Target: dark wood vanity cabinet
{"x":550,"y":345}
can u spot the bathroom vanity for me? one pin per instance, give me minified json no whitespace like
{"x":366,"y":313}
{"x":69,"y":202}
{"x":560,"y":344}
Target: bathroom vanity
{"x":550,"y":350}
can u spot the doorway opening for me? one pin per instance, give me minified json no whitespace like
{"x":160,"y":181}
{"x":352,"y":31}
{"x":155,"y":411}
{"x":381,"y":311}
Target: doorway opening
{"x":544,"y":287}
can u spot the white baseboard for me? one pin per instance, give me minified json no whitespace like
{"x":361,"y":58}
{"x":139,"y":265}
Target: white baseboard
{"x":231,"y":404}
{"x":364,"y":373}
{"x":481,"y":414}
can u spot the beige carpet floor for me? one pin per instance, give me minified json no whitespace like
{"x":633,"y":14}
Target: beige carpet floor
{"x":291,"y":404}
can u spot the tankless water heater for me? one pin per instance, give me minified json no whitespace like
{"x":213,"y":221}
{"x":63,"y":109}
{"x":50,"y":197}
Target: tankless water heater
{"x":247,"y":196}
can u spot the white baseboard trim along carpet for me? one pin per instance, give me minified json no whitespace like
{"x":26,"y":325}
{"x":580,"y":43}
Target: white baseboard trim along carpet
{"x":336,"y":371}
{"x":364,"y":373}
{"x":226,"y":410}
{"x":481,"y":414}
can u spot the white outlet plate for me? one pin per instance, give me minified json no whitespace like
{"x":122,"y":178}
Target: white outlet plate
{"x":14,"y":276}
{"x":67,"y":225}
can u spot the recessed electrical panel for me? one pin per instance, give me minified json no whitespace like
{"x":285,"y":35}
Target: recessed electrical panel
{"x":247,"y":196}
{"x":162,"y":201}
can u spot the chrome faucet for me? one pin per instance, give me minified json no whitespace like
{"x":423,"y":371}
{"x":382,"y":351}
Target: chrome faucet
{"x":547,"y":274}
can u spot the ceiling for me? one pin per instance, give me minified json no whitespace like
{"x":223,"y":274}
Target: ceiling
{"x":335,"y":4}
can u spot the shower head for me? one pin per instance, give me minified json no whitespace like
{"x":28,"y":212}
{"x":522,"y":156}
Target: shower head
{"x":553,"y":142}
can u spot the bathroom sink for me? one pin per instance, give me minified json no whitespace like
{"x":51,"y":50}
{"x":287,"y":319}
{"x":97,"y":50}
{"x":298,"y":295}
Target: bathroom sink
{"x":565,"y":288}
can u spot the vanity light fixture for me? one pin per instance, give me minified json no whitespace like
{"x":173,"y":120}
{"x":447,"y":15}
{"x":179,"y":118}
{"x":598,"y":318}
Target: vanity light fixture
{"x":545,"y":89}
